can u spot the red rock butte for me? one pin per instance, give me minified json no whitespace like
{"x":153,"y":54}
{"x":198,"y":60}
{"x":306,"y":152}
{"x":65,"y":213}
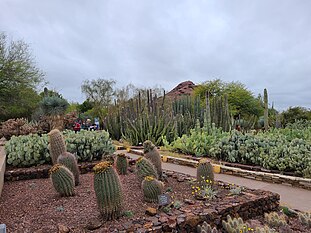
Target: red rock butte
{"x":184,"y":88}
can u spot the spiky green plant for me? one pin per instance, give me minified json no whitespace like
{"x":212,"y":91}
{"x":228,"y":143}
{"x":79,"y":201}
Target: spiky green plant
{"x":121,"y":164}
{"x":234,"y":225}
{"x":152,"y":153}
{"x":205,"y":172}
{"x":145,"y":168}
{"x":273,"y":219}
{"x":305,"y":219}
{"x":69,"y":160}
{"x":266,"y":116}
{"x":152,"y":188}
{"x":108,"y":191}
{"x":206,"y":228}
{"x":62,"y":179}
{"x":57,"y":144}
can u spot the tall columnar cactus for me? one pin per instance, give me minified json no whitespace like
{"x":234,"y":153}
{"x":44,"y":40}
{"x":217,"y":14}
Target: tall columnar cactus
{"x":62,"y":179}
{"x":205,"y":174}
{"x":266,"y":117}
{"x":151,"y":188}
{"x":57,"y":144}
{"x":145,"y":168}
{"x":108,"y":191}
{"x":152,"y":153}
{"x":69,"y":160}
{"x":121,"y":164}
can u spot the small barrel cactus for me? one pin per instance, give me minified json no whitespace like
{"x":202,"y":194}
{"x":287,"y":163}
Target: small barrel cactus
{"x":62,"y":179}
{"x":152,"y":153}
{"x":151,"y":188}
{"x":121,"y":164}
{"x":57,"y":144}
{"x":69,"y":160}
{"x":108,"y":191}
{"x":145,"y":168}
{"x":205,"y":174}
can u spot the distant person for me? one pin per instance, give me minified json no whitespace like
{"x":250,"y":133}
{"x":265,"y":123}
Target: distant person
{"x":77,"y":127}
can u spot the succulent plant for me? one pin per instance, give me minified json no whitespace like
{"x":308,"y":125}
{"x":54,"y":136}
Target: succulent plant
{"x":151,"y":188}
{"x":305,"y":219}
{"x":108,"y":191}
{"x":57,"y":144}
{"x":205,"y":173}
{"x":273,"y":219}
{"x":264,"y":229}
{"x":145,"y":168}
{"x":69,"y":160}
{"x":152,"y":153}
{"x":121,"y":164}
{"x":62,"y":179}
{"x":206,"y":228}
{"x":234,"y":225}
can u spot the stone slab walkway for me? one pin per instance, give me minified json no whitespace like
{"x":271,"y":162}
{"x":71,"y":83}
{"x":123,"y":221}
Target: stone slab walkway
{"x":295,"y":198}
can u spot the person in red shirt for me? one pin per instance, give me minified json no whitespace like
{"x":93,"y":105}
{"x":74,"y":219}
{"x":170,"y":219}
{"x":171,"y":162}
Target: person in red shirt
{"x":77,"y":127}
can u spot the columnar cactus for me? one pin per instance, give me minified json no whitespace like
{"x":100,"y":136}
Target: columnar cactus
{"x":151,"y":188}
{"x":145,"y":168}
{"x":69,"y":160}
{"x":121,"y":164}
{"x":62,"y":179}
{"x":152,"y":153}
{"x":205,"y":175}
{"x":108,"y":191}
{"x":57,"y":144}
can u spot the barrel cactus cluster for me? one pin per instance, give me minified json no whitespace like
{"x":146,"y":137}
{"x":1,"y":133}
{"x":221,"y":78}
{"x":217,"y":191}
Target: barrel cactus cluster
{"x":69,"y":160}
{"x":108,"y":191}
{"x":63,"y":180}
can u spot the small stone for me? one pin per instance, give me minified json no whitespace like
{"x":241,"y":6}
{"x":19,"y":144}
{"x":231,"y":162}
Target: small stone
{"x":163,"y":219}
{"x":63,"y":229}
{"x":151,"y":211}
{"x":148,"y":225}
{"x":172,"y":223}
{"x":180,"y":220}
{"x":169,"y":173}
{"x":94,"y":224}
{"x":189,"y":202}
{"x":180,"y":179}
{"x":193,"y":220}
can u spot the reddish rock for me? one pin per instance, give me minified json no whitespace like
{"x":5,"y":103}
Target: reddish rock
{"x":151,"y":211}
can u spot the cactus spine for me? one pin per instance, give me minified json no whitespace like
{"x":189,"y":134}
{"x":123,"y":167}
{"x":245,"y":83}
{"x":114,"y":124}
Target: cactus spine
{"x":206,"y":228}
{"x":266,"y":117}
{"x":151,"y":188}
{"x":62,"y":179}
{"x":57,"y":144}
{"x":69,"y":160}
{"x":275,"y":220}
{"x":205,"y":174}
{"x":145,"y":168}
{"x":152,"y":153}
{"x":108,"y":191}
{"x":121,"y":164}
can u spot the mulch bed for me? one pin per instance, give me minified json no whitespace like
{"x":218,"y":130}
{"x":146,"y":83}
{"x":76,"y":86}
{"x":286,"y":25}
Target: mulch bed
{"x":34,"y":206}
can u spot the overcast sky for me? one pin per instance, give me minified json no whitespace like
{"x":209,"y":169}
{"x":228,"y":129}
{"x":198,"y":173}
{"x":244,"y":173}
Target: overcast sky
{"x":262,"y":43}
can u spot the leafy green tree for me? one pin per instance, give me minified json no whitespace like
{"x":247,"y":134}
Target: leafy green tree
{"x":85,"y":106}
{"x":242,"y":102}
{"x":293,"y":114}
{"x":101,"y":92}
{"x":19,"y":78}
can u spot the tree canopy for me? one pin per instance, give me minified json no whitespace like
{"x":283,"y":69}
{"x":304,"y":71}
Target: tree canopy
{"x":19,"y":78}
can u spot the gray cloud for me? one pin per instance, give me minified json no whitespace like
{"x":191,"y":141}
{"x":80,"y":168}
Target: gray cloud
{"x":262,"y":43}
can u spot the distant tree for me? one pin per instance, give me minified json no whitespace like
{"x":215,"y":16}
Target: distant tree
{"x":295,"y":113}
{"x":101,"y":92}
{"x":19,"y":78}
{"x":242,"y":102}
{"x":85,"y":106}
